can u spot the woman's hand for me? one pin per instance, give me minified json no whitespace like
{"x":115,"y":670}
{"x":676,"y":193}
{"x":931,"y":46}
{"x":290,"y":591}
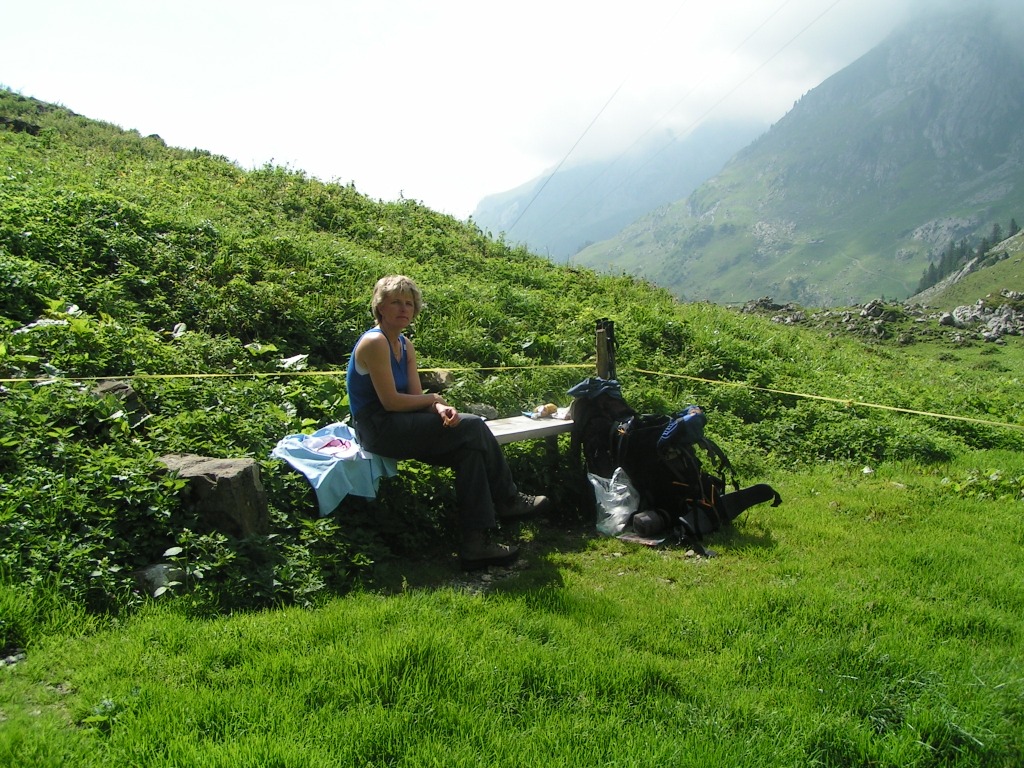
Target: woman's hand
{"x":449,"y":416}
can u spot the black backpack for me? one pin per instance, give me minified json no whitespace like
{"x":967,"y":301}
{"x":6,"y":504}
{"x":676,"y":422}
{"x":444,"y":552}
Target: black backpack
{"x":595,"y":421}
{"x":662,"y":455}
{"x":659,"y":454}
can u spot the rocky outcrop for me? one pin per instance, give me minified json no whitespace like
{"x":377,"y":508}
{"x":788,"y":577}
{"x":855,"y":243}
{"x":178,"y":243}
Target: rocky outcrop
{"x":134,"y":409}
{"x":987,"y":320}
{"x":19,"y":126}
{"x":991,"y":323}
{"x":227,"y":493}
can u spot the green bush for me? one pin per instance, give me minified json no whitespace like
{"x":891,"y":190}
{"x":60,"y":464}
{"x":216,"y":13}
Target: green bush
{"x":192,"y":278}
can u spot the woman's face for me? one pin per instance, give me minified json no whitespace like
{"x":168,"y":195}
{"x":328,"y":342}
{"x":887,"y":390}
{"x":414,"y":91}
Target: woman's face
{"x":397,"y":310}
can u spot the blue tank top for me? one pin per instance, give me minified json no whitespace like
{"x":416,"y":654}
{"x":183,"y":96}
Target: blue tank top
{"x":360,"y":388}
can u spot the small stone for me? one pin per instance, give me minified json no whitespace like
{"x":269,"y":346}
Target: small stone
{"x":13,"y":659}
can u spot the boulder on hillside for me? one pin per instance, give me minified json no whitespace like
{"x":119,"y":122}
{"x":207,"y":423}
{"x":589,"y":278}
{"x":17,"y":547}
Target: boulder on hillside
{"x":227,"y":493}
{"x":134,"y":408}
{"x":436,"y":381}
{"x":482,"y":410}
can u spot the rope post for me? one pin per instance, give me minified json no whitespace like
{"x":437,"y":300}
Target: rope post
{"x":605,"y":340}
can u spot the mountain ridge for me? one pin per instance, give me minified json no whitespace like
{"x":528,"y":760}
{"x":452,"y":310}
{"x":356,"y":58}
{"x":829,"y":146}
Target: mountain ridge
{"x":592,"y":201}
{"x":852,"y":192}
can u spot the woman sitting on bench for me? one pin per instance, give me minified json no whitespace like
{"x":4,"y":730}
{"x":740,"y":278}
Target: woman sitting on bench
{"x":393,"y":417}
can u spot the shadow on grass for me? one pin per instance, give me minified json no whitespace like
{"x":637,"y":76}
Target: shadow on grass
{"x":421,"y":544}
{"x":539,"y":566}
{"x":418,"y":546}
{"x":742,"y":538}
{"x":438,"y":567}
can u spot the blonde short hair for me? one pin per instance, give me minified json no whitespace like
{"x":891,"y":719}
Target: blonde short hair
{"x":388,"y":286}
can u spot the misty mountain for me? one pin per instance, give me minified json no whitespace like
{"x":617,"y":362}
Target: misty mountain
{"x":558,"y":214}
{"x":849,"y":196}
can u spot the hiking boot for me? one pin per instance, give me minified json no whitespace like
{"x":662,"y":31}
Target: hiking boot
{"x":522,"y":506}
{"x":477,"y":553}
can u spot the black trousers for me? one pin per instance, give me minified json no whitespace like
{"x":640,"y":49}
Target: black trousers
{"x":482,"y":476}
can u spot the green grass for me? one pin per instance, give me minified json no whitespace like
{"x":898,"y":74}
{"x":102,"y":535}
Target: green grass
{"x":872,"y":619}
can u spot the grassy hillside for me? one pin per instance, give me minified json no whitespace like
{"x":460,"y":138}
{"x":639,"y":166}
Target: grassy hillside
{"x":874,"y":618}
{"x":195,"y":280}
{"x":121,"y":225}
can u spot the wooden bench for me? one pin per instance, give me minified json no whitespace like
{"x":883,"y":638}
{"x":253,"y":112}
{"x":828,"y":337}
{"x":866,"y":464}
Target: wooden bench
{"x":508,"y":430}
{"x":516,"y":428}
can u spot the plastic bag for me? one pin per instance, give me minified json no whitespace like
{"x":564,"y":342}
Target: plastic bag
{"x":617,"y":500}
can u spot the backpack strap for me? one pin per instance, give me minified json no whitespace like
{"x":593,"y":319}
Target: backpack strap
{"x":735,"y":503}
{"x":720,"y":458}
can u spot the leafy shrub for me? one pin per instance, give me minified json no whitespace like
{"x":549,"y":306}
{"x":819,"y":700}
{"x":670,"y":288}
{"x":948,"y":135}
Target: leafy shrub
{"x":990,"y":484}
{"x":193,"y":278}
{"x":825,"y":432}
{"x":86,"y":524}
{"x":89,"y":347}
{"x":25,"y":288}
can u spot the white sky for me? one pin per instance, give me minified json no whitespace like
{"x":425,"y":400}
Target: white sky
{"x":444,"y":102}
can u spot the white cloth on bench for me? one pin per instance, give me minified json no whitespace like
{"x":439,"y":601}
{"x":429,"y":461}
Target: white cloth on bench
{"x":335,"y":464}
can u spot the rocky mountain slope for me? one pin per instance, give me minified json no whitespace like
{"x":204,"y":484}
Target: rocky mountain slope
{"x":867,"y":178}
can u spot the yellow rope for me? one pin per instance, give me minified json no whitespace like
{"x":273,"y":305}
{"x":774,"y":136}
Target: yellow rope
{"x":842,"y":401}
{"x":266,"y":374}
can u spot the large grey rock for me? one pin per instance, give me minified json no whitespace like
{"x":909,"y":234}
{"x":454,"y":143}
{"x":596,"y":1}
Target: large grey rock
{"x":436,"y":381}
{"x":483,"y":410}
{"x":227,"y":493}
